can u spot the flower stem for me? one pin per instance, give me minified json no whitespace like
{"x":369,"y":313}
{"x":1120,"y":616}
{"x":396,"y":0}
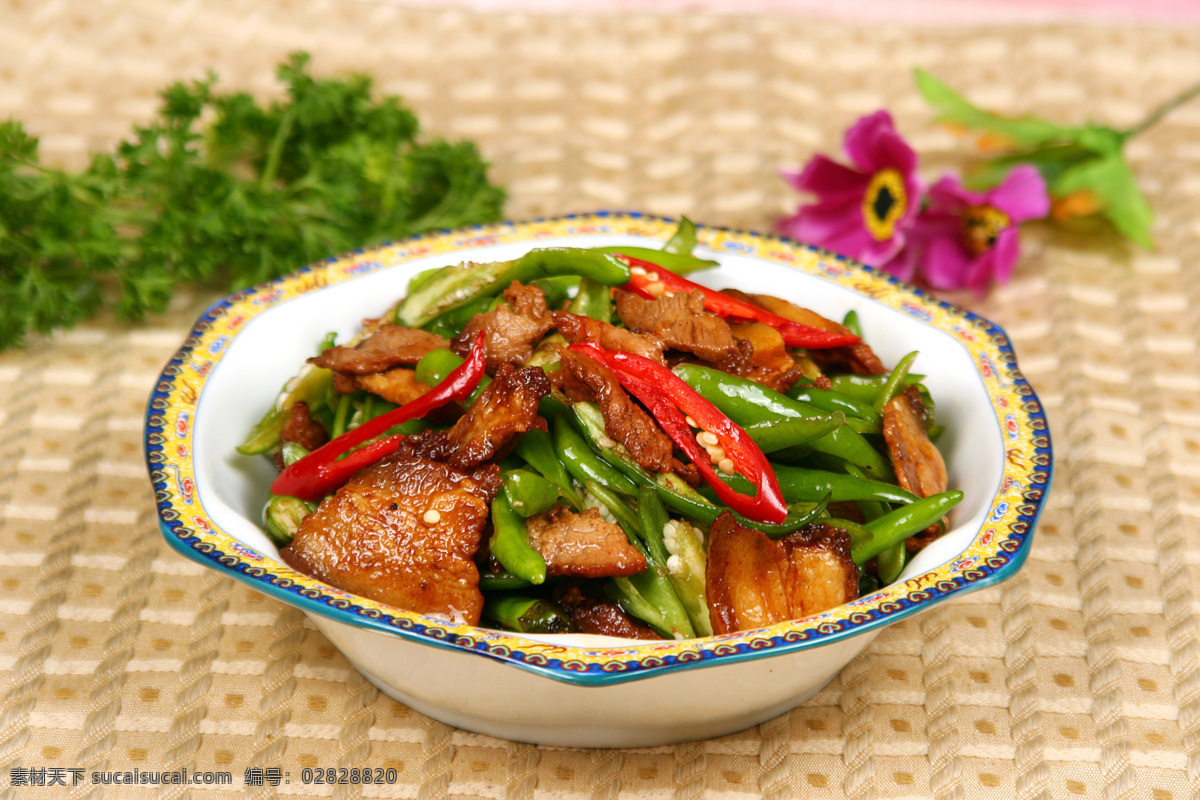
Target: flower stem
{"x":1157,"y":114}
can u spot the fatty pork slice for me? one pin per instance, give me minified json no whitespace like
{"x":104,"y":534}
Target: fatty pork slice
{"x":584,"y":379}
{"x":583,"y":545}
{"x":507,"y":408}
{"x":404,"y":532}
{"x":389,"y":346}
{"x":753,"y":581}
{"x":919,"y":465}
{"x":590,"y":613}
{"x":577,"y":329}
{"x":399,"y":386}
{"x":512,"y":329}
{"x":680,"y":321}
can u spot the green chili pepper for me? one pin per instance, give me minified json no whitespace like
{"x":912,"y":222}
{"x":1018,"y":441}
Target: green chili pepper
{"x":594,"y":300}
{"x":775,"y":435}
{"x":502,"y":581}
{"x":851,"y":322}
{"x":282,"y":517}
{"x":537,"y":448}
{"x":310,"y":385}
{"x":510,"y":543}
{"x":829,"y":400}
{"x":678,"y":263}
{"x":529,"y":493}
{"x":800,"y":484}
{"x":683,"y":240}
{"x":900,"y":524}
{"x":890,"y":563}
{"x":524,"y":614}
{"x":747,"y":403}
{"x":865,"y":388}
{"x":626,"y":519}
{"x":456,"y":285}
{"x":557,"y":289}
{"x":652,"y":517}
{"x":895,"y":382}
{"x":582,"y":463}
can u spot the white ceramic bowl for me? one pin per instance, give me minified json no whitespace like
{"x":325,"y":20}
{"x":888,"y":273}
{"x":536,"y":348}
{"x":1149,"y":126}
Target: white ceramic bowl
{"x":584,"y":690}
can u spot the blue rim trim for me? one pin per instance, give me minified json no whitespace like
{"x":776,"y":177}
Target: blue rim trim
{"x":1013,"y":548}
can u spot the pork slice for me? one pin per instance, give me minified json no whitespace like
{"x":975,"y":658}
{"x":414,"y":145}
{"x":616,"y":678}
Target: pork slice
{"x":399,"y":386}
{"x":583,"y":545}
{"x":592,"y":614}
{"x":576,"y":329}
{"x":512,"y":330}
{"x":302,"y":429}
{"x":680,"y":321}
{"x":504,"y":410}
{"x":753,"y":581}
{"x":919,"y":465}
{"x":389,"y":346}
{"x":857,"y":358}
{"x":403,"y":532}
{"x":585,"y":379}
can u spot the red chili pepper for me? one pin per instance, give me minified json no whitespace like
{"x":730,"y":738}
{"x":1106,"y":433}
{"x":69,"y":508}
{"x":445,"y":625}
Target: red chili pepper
{"x":669,"y":398}
{"x":321,"y":471}
{"x":795,"y":334}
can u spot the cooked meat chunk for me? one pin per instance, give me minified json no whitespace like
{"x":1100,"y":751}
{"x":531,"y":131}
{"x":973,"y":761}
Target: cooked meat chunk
{"x":858,"y":358}
{"x":584,"y":379}
{"x":919,"y":465}
{"x":761,"y":356}
{"x":680,"y":321}
{"x":389,"y":346}
{"x":753,"y":581}
{"x":511,"y":329}
{"x":507,"y":408}
{"x":583,"y":545}
{"x":397,"y":386}
{"x":576,"y":329}
{"x":403,"y":532}
{"x":302,"y":429}
{"x":591,"y":614}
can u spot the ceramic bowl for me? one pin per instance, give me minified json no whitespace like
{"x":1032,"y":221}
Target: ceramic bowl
{"x":577,"y":690}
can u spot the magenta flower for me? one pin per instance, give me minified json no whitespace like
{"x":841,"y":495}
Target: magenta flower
{"x":969,"y":239}
{"x":862,"y":211}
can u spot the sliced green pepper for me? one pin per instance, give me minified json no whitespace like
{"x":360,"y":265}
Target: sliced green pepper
{"x":529,"y":493}
{"x":895,"y":527}
{"x":510,"y":543}
{"x":525,"y":614}
{"x":282,"y":517}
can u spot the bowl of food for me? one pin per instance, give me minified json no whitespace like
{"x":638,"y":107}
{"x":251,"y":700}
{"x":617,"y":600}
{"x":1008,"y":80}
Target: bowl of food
{"x":604,"y":480}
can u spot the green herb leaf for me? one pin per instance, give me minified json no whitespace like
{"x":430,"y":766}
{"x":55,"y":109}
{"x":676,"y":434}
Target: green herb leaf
{"x":257,"y":192}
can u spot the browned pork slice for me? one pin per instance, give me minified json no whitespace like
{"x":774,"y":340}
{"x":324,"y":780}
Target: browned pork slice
{"x":919,"y":465}
{"x":507,"y":408}
{"x":753,"y":581}
{"x":680,"y":321}
{"x":761,"y":356}
{"x":302,"y":429}
{"x":403,"y":532}
{"x":399,"y":386}
{"x":584,"y":379}
{"x":576,"y":329}
{"x":389,"y":346}
{"x":583,"y":545}
{"x":857,"y":358}
{"x":511,"y":329}
{"x":592,"y":614}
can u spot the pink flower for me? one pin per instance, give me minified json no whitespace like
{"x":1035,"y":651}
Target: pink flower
{"x":969,"y":239}
{"x":862,"y":211}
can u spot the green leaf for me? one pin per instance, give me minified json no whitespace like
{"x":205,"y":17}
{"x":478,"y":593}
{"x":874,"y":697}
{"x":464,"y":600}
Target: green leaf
{"x":1112,"y":181}
{"x":953,"y":107}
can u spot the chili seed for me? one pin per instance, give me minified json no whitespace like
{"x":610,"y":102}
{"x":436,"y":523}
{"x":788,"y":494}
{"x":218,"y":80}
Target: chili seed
{"x":707,"y":438}
{"x":726,"y":466}
{"x":431,"y":517}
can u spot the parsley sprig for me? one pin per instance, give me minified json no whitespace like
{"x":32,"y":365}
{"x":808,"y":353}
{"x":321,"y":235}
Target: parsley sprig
{"x":218,"y":188}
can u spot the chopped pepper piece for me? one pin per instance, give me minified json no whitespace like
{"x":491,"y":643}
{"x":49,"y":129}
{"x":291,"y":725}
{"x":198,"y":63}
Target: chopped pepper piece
{"x":644,"y":275}
{"x":321,"y":471}
{"x":669,"y":399}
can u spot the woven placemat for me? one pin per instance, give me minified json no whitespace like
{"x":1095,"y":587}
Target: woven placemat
{"x":1080,"y":677}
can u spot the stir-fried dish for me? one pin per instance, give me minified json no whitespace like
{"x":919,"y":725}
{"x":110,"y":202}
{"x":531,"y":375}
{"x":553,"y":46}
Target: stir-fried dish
{"x":586,"y":440}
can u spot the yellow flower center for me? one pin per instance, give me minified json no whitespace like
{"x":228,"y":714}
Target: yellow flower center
{"x":884,"y":204}
{"x":980,"y":227}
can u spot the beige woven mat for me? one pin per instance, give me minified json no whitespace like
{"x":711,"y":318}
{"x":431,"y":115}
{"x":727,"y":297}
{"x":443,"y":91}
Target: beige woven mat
{"x":1080,"y":677}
